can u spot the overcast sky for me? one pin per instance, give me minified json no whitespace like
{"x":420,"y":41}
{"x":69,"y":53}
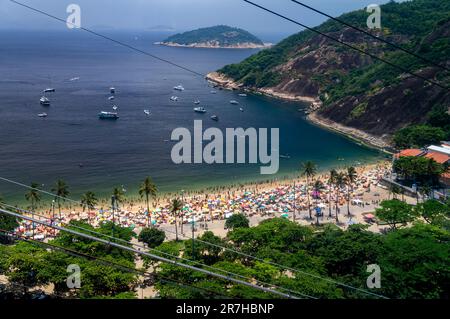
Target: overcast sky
{"x":177,"y":14}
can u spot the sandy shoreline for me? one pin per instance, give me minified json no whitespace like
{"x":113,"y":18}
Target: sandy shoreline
{"x":353,"y":133}
{"x":313,"y":117}
{"x":135,"y":203}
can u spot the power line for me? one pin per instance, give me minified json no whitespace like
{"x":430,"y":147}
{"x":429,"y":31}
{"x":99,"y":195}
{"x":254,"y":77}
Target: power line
{"x":109,"y":38}
{"x":107,"y":262}
{"x":351,"y":46}
{"x":374,"y":36}
{"x":161,"y":252}
{"x":205,"y":242}
{"x":162,"y":259}
{"x":285,"y":267}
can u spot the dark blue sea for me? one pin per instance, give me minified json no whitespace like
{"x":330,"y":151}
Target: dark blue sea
{"x":123,"y":152}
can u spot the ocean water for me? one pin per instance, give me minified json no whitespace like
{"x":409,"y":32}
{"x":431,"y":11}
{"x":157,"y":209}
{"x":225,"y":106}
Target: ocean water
{"x":124,"y":152}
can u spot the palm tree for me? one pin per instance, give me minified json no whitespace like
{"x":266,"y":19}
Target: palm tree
{"x":308,"y":169}
{"x":331,"y":181}
{"x":147,"y":189}
{"x":119,"y":195}
{"x":318,"y":187}
{"x":89,"y":201}
{"x":350,"y":178}
{"x":34,"y":196}
{"x":175,"y":206}
{"x":61,"y":191}
{"x":339,"y":182}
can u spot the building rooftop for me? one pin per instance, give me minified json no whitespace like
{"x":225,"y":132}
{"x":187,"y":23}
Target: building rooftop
{"x":410,"y":152}
{"x":439,"y":149}
{"x":438,"y":157}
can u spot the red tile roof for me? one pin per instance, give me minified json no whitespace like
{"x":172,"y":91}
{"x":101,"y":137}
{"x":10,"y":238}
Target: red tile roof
{"x":409,"y":152}
{"x":438,"y":157}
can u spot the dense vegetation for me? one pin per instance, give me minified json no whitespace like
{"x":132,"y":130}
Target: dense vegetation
{"x":413,"y":260}
{"x":398,"y":19}
{"x":359,"y":91}
{"x":420,"y":170}
{"x":224,"y":35}
{"x":435,"y":130}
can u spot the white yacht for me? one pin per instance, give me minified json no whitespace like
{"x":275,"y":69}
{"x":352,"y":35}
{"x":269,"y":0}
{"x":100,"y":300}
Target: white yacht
{"x":147,"y":112}
{"x":44,"y":101}
{"x":42,"y":114}
{"x":49,"y":90}
{"x":108,"y":115}
{"x":179,"y":88}
{"x":234,"y":102}
{"x":200,"y":109}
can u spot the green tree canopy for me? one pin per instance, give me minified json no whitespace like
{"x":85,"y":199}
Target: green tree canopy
{"x":237,"y":221}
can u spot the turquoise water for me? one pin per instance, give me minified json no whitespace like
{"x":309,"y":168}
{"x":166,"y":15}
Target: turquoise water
{"x":125,"y":151}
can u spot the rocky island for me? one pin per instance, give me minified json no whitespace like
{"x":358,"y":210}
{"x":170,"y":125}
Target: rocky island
{"x":222,"y":37}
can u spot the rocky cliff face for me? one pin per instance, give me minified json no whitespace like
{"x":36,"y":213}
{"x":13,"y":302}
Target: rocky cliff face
{"x":355,"y":90}
{"x":384,"y":109}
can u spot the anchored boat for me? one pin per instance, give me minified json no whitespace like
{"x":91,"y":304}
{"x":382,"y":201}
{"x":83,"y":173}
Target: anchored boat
{"x":200,"y":109}
{"x":108,"y":116}
{"x":44,"y":101}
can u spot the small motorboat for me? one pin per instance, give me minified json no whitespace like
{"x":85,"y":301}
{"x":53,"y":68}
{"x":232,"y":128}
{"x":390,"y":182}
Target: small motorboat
{"x":49,"y":90}
{"x":112,"y":90}
{"x":213,"y":92}
{"x":174,"y":98}
{"x":215,"y":118}
{"x":234,"y":102}
{"x":42,"y":114}
{"x":108,"y":115}
{"x":74,"y":79}
{"x":243,"y":95}
{"x":147,"y":112}
{"x":111,"y":98}
{"x":241,"y":109}
{"x":44,"y":101}
{"x":115,"y":108}
{"x":197,"y":102}
{"x":179,"y":88}
{"x":287,"y":156}
{"x":200,"y":109}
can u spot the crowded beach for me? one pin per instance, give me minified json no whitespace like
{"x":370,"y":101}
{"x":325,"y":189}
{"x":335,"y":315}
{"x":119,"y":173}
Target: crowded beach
{"x":208,"y":211}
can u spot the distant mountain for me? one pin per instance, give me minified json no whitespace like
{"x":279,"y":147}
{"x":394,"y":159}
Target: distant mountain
{"x":355,"y":94}
{"x":215,"y":37}
{"x":161,"y":27}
